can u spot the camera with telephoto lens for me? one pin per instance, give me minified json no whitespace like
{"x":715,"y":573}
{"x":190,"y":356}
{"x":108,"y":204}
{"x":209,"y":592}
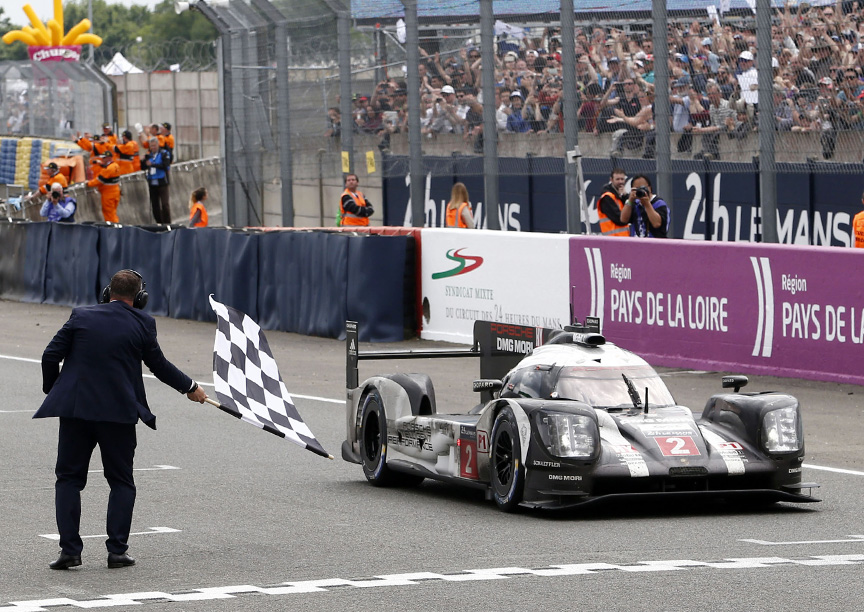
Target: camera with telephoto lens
{"x":56,"y":195}
{"x":641,"y":192}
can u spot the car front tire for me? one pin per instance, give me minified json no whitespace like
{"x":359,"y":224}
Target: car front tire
{"x":508,"y":473}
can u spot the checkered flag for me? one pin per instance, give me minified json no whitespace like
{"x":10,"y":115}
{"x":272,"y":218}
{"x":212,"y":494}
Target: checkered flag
{"x":247,"y":379}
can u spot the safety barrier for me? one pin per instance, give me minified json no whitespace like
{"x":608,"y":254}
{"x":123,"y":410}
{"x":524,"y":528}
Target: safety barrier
{"x":134,"y":208}
{"x":303,"y":282}
{"x":766,"y":309}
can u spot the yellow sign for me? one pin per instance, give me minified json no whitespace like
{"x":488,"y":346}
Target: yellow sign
{"x":370,"y":162}
{"x":39,"y":35}
{"x":346,"y":162}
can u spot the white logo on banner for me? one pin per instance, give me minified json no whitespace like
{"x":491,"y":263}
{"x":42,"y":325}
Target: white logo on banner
{"x":595,"y":269}
{"x":765,"y":290}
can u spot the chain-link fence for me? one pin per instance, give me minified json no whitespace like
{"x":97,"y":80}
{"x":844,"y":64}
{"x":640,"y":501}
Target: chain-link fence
{"x":52,"y":99}
{"x":703,"y":127}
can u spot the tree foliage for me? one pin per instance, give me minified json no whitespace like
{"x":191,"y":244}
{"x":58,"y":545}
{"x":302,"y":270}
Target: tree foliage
{"x":121,"y":26}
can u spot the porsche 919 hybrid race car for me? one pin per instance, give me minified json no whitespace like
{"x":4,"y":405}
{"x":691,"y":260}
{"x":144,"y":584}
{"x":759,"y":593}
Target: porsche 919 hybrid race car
{"x":567,"y":419}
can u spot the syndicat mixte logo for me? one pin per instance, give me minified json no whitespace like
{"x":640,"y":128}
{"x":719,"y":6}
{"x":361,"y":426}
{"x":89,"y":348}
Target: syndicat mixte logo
{"x":462,"y":265}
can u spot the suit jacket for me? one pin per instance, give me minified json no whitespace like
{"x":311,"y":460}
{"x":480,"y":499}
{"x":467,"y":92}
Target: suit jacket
{"x":102,"y":348}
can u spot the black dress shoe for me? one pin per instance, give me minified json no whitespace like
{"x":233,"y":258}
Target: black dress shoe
{"x":65,"y":561}
{"x":115,"y":560}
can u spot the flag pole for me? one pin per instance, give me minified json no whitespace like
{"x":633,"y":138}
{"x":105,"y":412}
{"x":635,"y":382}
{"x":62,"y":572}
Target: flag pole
{"x":275,"y":432}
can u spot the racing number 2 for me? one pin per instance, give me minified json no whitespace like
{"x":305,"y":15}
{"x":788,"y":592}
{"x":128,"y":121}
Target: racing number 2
{"x":677,"y":446}
{"x":468,"y":458}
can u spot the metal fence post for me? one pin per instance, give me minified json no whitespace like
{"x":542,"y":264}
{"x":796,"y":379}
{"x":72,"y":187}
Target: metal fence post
{"x":415,"y":164}
{"x":573,"y":187}
{"x":487,"y":80}
{"x":767,"y":176}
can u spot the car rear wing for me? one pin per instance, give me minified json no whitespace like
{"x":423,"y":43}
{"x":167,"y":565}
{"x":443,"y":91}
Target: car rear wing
{"x":500,"y":347}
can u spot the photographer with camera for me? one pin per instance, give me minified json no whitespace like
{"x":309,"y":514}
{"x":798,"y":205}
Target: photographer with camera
{"x":650,"y":215}
{"x":58,"y":206}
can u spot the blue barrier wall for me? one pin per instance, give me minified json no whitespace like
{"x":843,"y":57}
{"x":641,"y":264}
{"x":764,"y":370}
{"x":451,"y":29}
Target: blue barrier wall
{"x":813,"y":208}
{"x":303,"y":282}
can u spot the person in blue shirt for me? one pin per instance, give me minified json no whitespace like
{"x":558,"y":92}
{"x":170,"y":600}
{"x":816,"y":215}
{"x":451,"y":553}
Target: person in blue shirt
{"x":650,"y":215}
{"x":58,"y":206}
{"x":155,"y":165}
{"x":515,"y":122}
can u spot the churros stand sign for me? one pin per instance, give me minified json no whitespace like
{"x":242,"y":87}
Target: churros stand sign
{"x":70,"y":53}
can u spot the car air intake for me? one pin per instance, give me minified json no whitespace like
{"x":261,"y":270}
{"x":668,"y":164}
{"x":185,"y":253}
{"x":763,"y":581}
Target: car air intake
{"x":690,"y":471}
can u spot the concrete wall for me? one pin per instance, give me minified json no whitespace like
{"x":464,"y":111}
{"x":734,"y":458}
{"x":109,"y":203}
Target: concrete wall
{"x":189,"y":101}
{"x":134,"y":206}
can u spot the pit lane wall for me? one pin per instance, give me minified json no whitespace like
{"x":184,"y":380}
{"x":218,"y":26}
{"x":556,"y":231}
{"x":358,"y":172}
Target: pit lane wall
{"x":759,"y":309}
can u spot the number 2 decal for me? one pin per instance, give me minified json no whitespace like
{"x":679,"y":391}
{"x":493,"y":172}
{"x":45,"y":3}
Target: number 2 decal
{"x":677,"y":446}
{"x":468,"y":459}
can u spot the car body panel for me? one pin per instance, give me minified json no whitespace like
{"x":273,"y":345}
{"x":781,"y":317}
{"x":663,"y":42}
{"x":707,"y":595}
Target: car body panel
{"x":661,"y":450}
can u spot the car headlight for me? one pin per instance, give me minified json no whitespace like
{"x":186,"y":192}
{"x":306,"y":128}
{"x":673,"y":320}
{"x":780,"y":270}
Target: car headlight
{"x":568,"y":435}
{"x":781,"y":431}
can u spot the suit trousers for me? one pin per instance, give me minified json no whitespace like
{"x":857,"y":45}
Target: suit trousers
{"x":117,"y":442}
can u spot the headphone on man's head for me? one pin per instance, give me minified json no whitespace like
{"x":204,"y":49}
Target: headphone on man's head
{"x":141,"y":297}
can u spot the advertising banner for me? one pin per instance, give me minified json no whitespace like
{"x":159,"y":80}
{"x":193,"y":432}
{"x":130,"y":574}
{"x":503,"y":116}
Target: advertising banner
{"x":470,"y":275}
{"x":765,"y":309}
{"x":713,"y":202}
{"x":69,"y":53}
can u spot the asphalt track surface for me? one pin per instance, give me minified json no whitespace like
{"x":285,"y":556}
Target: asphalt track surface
{"x":242,"y":520}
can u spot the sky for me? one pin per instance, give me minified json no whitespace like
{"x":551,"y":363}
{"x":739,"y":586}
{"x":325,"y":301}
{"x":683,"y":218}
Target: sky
{"x":14,"y":9}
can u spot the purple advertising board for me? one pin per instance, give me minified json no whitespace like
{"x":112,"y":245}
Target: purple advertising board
{"x":761,"y":309}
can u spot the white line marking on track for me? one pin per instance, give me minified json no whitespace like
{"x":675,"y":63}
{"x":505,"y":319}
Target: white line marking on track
{"x":56,"y":536}
{"x":399,"y":580}
{"x":830,"y":469}
{"x":27,"y":359}
{"x":855,"y":538}
{"x":150,"y":469}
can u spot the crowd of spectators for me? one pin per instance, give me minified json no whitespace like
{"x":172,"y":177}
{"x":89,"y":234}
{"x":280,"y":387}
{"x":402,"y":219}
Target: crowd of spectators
{"x":817,"y":57}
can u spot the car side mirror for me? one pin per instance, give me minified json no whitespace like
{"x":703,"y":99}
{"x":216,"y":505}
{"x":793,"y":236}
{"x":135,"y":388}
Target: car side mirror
{"x":735,"y":381}
{"x":487,"y":384}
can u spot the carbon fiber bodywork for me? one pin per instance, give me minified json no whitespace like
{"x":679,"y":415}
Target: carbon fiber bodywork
{"x":608,"y":451}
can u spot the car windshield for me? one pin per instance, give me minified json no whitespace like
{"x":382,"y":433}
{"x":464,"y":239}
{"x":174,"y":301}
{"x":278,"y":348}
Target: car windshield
{"x":605,"y":387}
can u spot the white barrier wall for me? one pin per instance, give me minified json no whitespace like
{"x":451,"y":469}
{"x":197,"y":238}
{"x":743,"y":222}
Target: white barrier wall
{"x":492,"y":275}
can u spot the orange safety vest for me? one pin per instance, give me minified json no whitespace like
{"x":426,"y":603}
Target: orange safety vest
{"x":127,"y":155}
{"x":108,"y":180}
{"x":198,"y":206}
{"x":607,"y":226}
{"x":57,"y":178}
{"x":454,"y":216}
{"x":350,"y":218}
{"x":858,"y":229}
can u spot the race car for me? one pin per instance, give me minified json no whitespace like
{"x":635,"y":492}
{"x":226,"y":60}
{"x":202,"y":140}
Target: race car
{"x":566,"y":419}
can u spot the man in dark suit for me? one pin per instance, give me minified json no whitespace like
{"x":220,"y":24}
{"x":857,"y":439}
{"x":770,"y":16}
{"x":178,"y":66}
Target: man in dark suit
{"x":99,"y":397}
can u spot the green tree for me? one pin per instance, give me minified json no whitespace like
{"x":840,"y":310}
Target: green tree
{"x":15,"y":51}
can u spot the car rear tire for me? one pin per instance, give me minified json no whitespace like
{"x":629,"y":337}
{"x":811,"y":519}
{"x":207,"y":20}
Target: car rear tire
{"x":373,"y":447}
{"x":508,"y":473}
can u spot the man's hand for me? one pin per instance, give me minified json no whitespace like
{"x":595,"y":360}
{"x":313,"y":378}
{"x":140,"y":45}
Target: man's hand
{"x":198,"y":395}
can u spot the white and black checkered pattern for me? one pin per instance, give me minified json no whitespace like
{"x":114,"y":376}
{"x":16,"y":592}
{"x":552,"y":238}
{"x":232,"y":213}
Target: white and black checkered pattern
{"x":247,"y":379}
